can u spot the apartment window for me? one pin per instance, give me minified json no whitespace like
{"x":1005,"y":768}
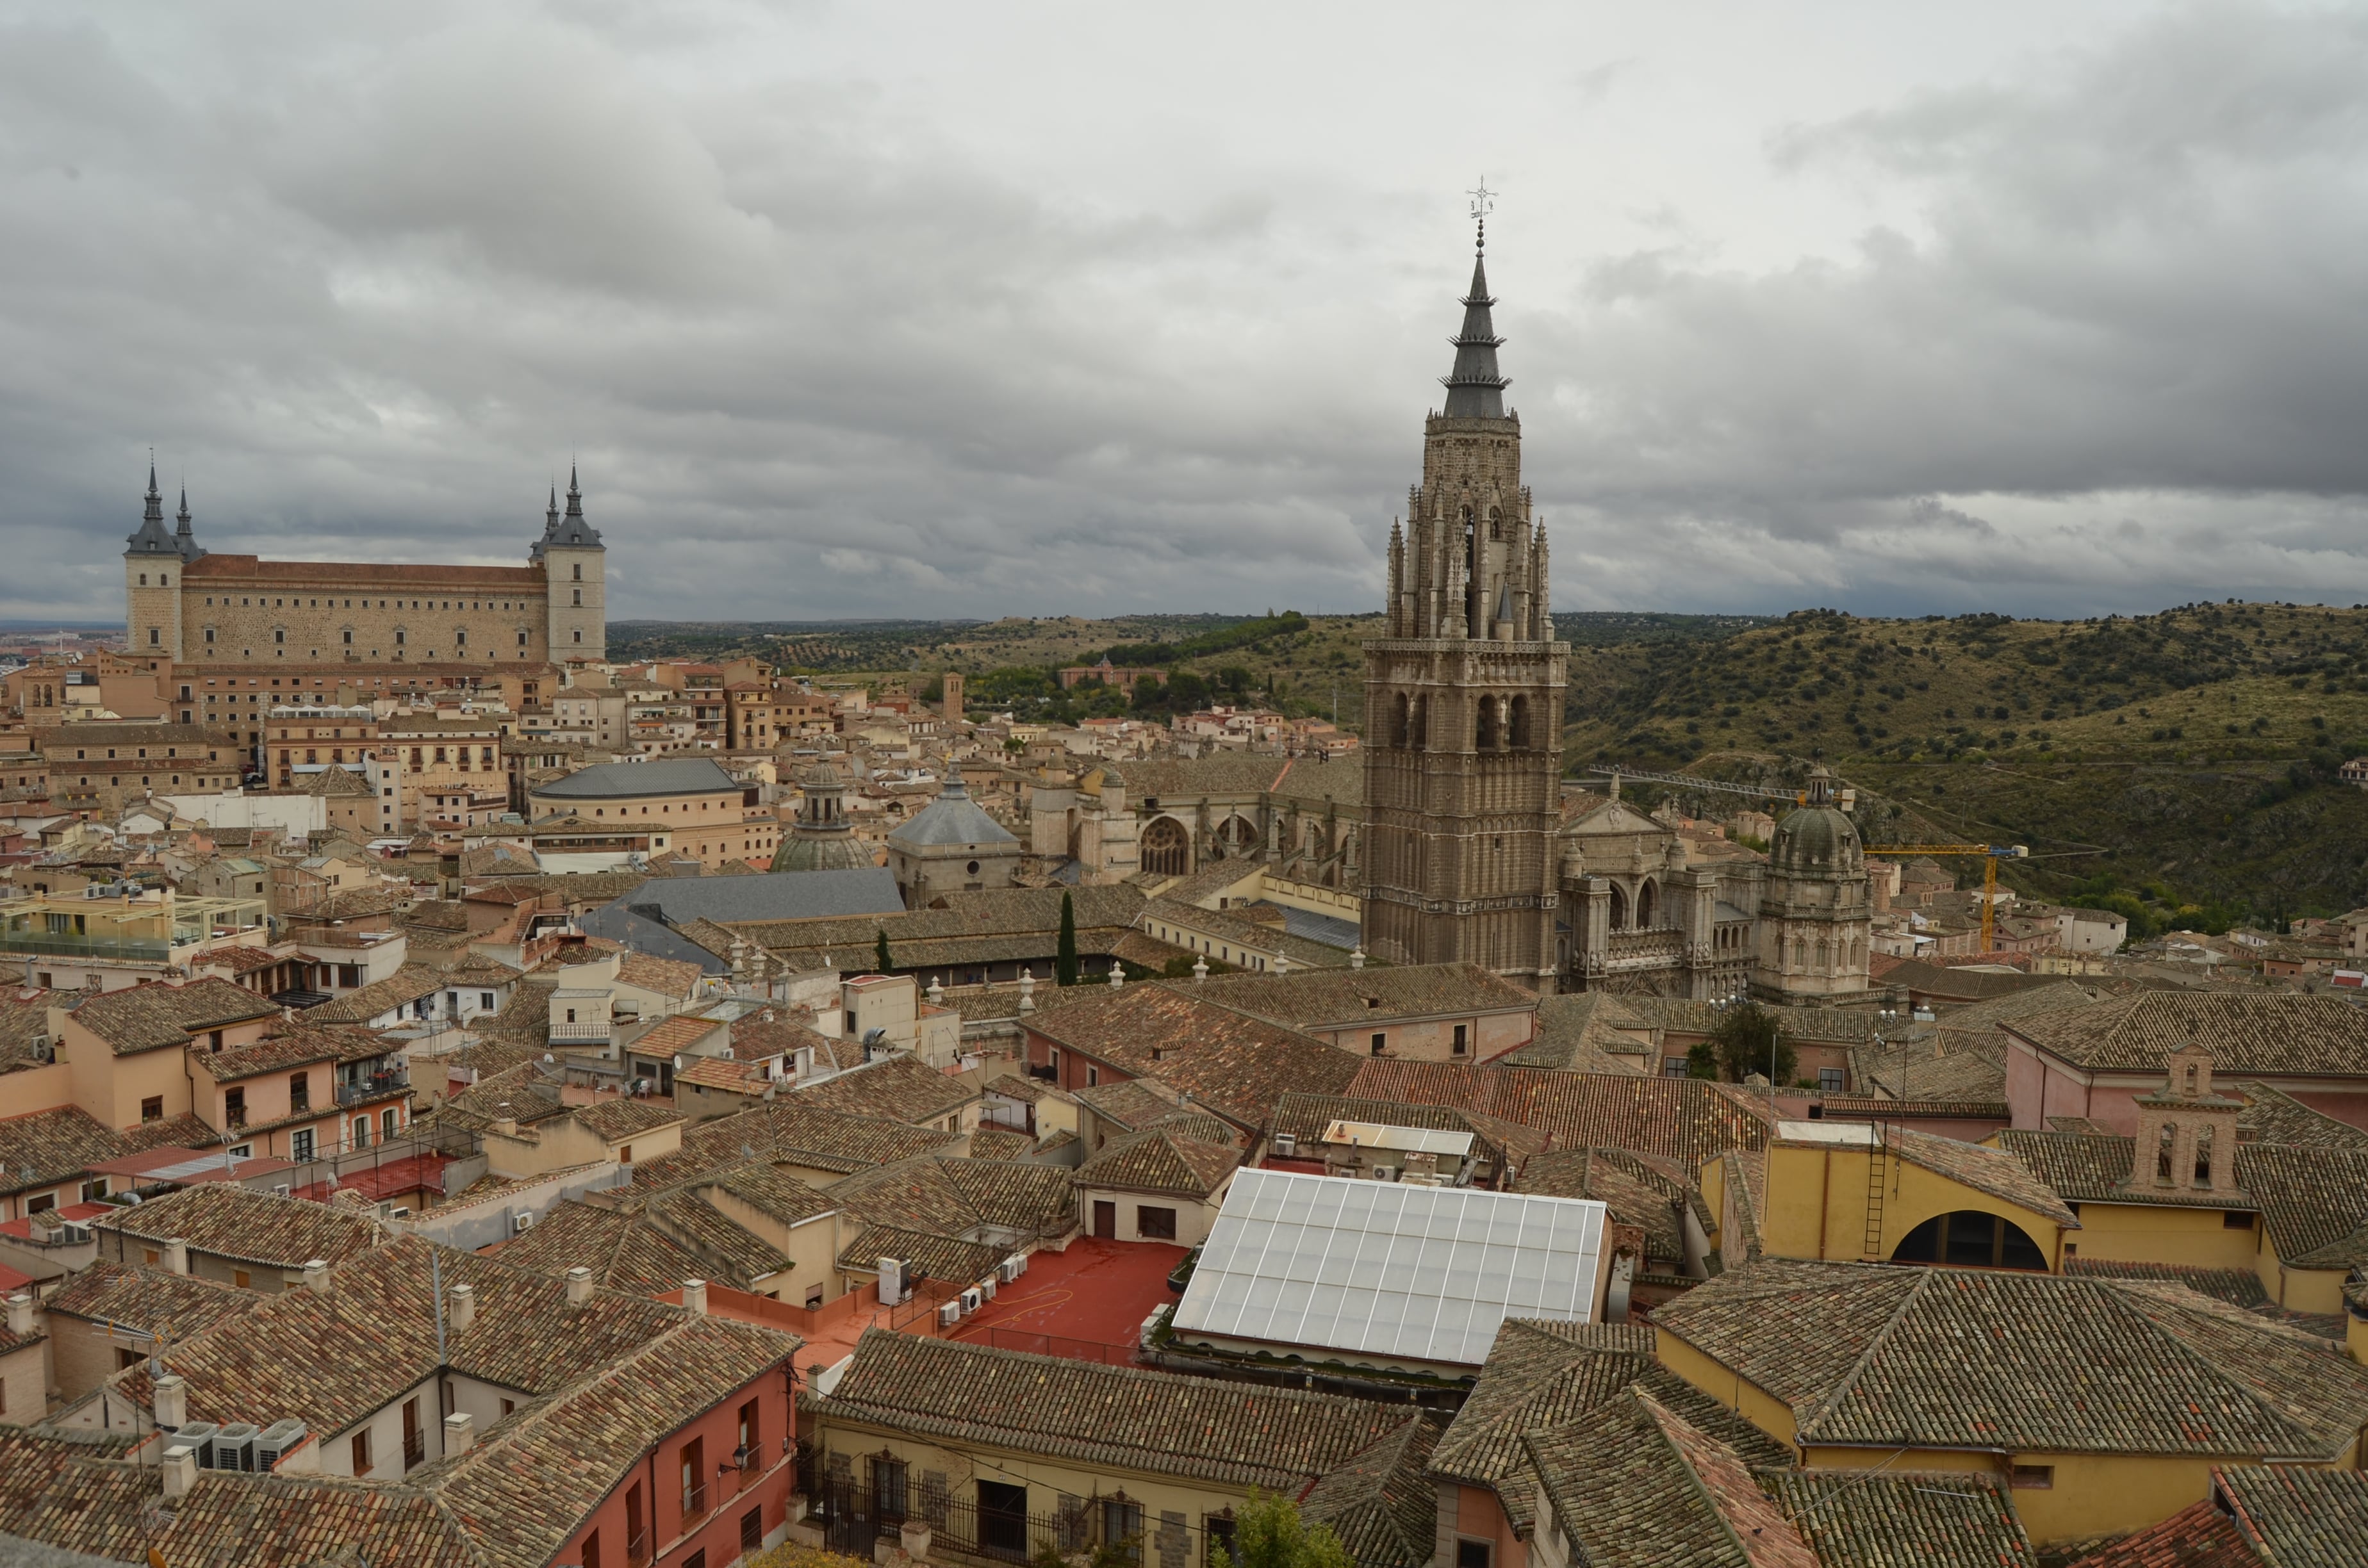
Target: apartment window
{"x":241,"y":1278}
{"x":300,"y":1092}
{"x":694,"y":1478}
{"x":390,"y":1123}
{"x":591,"y":1552}
{"x":508,"y":1406}
{"x":1093,"y":1077}
{"x":93,"y":1189}
{"x":2236,"y":1220}
{"x":235,"y":1107}
{"x":579,"y":598}
{"x":153,"y":1108}
{"x":752,"y":1531}
{"x":624,"y":1154}
{"x":1829,"y":1080}
{"x":888,"y":1487}
{"x":1673,"y":1066}
{"x":2036,"y":1477}
{"x":361,"y":1132}
{"x":1155,"y":1224}
{"x":1463,"y":1039}
{"x":300,"y":1145}
{"x":749,"y":1436}
{"x":1122,"y":1526}
{"x":362,"y":1447}
{"x":1471,"y":1554}
{"x":1380,"y":1041}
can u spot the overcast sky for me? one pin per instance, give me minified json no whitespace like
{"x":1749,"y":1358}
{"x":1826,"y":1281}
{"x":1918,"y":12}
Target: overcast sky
{"x":974,"y":310}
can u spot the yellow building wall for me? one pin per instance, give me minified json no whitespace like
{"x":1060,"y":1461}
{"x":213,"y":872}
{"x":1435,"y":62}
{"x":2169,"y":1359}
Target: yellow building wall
{"x":1046,"y":1479}
{"x":1815,"y":1204}
{"x":2149,"y":1233}
{"x":1723,"y":1384}
{"x":2300,"y":1289}
{"x":110,"y":1087}
{"x":2091,"y":1495}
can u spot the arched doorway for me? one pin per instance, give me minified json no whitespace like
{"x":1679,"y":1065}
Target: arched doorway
{"x":1166,"y":849}
{"x":1968,"y":1238}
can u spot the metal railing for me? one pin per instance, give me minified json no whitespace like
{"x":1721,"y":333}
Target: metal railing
{"x":1051,"y":1345}
{"x":43,"y":944}
{"x":376,"y":1085}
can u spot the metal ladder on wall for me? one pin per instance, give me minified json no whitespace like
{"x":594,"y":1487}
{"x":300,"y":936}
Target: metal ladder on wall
{"x":1870,"y":1244}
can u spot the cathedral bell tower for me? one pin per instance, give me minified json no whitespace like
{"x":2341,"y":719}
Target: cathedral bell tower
{"x":1463,"y":697}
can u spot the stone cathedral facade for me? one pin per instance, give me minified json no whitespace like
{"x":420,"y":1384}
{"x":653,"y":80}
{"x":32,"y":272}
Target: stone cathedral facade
{"x":1463,"y":697}
{"x":1467,"y":854}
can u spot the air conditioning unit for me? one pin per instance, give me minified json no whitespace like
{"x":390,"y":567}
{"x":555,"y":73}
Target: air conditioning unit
{"x":279,"y":1440}
{"x":971,"y":1301}
{"x":1385,"y":1173}
{"x":69,"y":1231}
{"x":521,"y":1220}
{"x":1009,"y":1269}
{"x":950,"y":1314}
{"x":1019,"y":1262}
{"x":199,"y":1435}
{"x":400,"y":1211}
{"x":1286,"y":1144}
{"x":986,"y":1287}
{"x":895,"y":1282}
{"x":235,"y":1445}
{"x":280,"y":1189}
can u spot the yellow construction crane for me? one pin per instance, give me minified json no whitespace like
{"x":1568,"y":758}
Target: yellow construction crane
{"x":1991,"y":855}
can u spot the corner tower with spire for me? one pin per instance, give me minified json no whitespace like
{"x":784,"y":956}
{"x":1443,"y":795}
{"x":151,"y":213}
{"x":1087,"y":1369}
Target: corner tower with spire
{"x":574,"y":563}
{"x":1463,"y":695}
{"x":153,"y":557}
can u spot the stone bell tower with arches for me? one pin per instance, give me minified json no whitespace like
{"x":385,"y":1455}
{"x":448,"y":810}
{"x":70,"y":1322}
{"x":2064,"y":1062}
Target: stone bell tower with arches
{"x":1463,"y":695}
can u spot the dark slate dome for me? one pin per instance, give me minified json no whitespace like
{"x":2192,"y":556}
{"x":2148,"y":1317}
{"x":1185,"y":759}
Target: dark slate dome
{"x":1817,"y":836}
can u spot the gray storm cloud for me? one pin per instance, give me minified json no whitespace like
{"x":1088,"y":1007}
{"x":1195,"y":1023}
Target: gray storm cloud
{"x":2078,"y":328}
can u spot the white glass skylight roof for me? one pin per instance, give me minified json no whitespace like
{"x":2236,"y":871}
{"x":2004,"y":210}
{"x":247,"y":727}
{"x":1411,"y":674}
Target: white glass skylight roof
{"x":1387,"y":1269}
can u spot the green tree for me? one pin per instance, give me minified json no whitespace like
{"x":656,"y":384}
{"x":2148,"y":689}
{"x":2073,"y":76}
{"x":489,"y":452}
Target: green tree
{"x":1268,"y":1533}
{"x":1750,"y":1038}
{"x":1064,"y":955}
{"x":1701,"y":1061}
{"x":879,"y":959}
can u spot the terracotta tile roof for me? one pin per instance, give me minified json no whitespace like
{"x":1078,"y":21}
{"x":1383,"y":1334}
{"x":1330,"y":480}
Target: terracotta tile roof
{"x":668,"y":977}
{"x":1231,"y":1063}
{"x":2273,"y":1116}
{"x":990,"y":1142}
{"x":1164,"y":1162}
{"x":2238,"y":1287}
{"x":402,"y":988}
{"x":50,"y":1146}
{"x":273,"y":1053}
{"x":2248,"y":1034}
{"x":254,"y":1227}
{"x":1156,"y":1422}
{"x":1314,"y":997}
{"x":1686,"y":1118}
{"x":619,"y":1118}
{"x":723,"y":1073}
{"x":2298,"y":1519}
{"x":954,"y":1197}
{"x":792,"y":1133}
{"x":623,"y":1251}
{"x":931,"y":1257}
{"x":1584,"y":1033}
{"x":1960,"y":1066}
{"x":1131,"y":1104}
{"x":678,"y":1033}
{"x":1306,"y":1116}
{"x":1948,"y":1358}
{"x":758,"y":1038}
{"x":521,"y":1092}
{"x":1636,"y":1193}
{"x":1540,"y":1375}
{"x":1853,"y":1519}
{"x":1381,"y":1503}
{"x":2198,"y":1535}
{"x":898,"y":1087}
{"x":229,"y":1520}
{"x":150,"y":1017}
{"x":183,"y":1131}
{"x":1993,"y":1171}
{"x":1630,"y":1481}
{"x":24,"y":1024}
{"x":2314,"y":1202}
{"x":1013,"y":1087}
{"x":149,"y":1300}
{"x":76,"y":1496}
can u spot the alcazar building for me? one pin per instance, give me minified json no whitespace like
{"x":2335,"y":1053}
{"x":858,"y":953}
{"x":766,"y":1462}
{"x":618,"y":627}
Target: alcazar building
{"x":192,"y":608}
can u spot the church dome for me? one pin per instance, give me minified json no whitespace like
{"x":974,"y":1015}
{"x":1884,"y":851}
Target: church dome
{"x":952,"y":818}
{"x":1816,"y":837}
{"x":803,"y":851}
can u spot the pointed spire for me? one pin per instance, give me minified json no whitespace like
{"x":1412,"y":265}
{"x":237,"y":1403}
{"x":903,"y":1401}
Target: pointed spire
{"x":155,"y":512}
{"x":551,"y":516}
{"x":153,"y":538}
{"x":574,"y":496}
{"x":1475,"y":388}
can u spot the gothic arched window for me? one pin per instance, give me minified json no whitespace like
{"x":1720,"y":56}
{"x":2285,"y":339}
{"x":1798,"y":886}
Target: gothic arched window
{"x":1517,"y":730}
{"x":1646,"y":897}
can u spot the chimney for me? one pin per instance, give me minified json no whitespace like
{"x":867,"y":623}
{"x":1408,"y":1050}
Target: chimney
{"x":462,"y":1310}
{"x":459,"y":1431}
{"x":694,"y":1295}
{"x":579,"y":1286}
{"x":507,"y":1126}
{"x":181,"y":1469}
{"x":177,"y":1255}
{"x":317,"y":1275}
{"x":20,"y":1314}
{"x":172,"y":1402}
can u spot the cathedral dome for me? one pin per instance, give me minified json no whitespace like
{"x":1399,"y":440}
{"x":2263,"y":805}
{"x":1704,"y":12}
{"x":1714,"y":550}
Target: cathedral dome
{"x":1816,"y":837}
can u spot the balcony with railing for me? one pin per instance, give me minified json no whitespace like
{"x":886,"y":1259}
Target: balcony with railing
{"x":373,"y":1085}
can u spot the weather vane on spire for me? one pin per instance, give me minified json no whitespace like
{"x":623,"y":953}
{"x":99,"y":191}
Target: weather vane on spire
{"x":1483,"y":202}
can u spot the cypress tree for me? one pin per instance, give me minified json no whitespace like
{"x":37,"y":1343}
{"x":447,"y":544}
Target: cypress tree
{"x":879,"y":959}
